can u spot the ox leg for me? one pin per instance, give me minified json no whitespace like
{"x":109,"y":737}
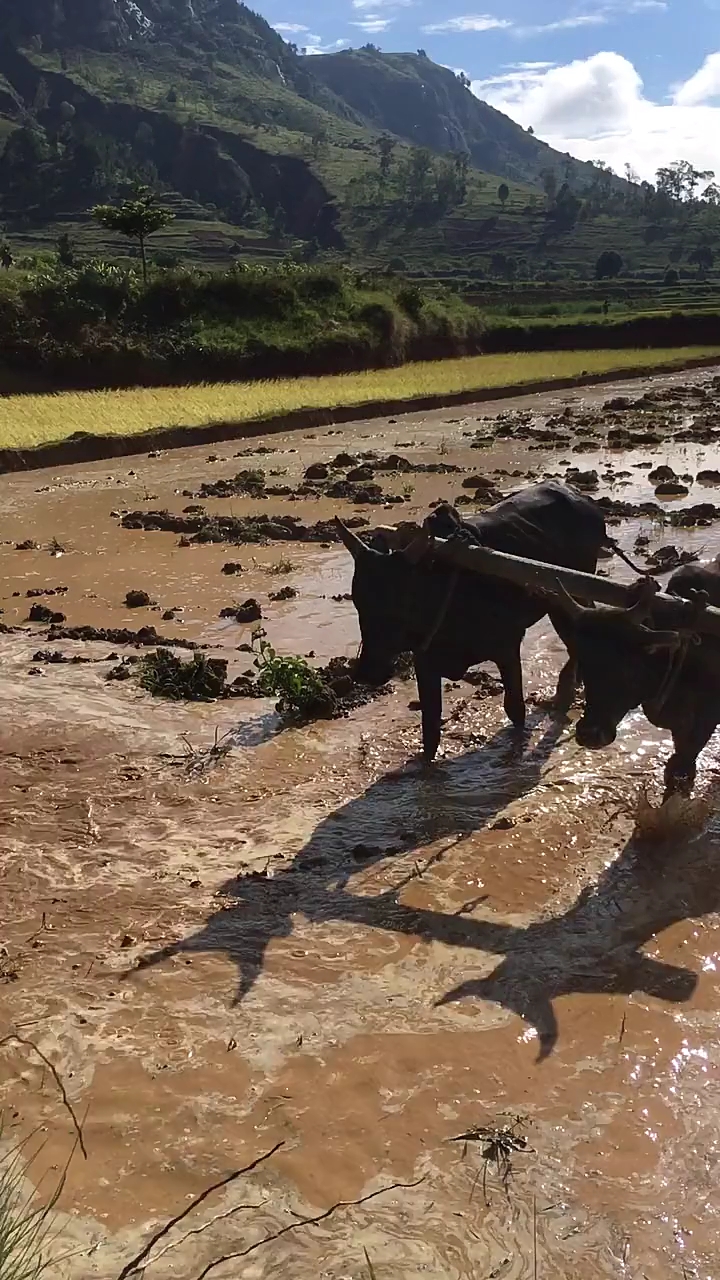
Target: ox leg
{"x":568,"y":678}
{"x":512,"y":678}
{"x":429,"y":686}
{"x":681,"y":768}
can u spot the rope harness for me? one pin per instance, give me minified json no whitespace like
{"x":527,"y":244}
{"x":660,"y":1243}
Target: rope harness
{"x":668,"y":684}
{"x":442,"y":613}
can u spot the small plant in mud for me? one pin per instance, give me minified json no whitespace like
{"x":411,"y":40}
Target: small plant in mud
{"x":202,"y":679}
{"x":281,"y":567}
{"x":299,"y":688}
{"x":499,"y":1145}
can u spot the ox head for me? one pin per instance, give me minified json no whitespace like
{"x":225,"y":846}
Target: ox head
{"x":382,"y":583}
{"x":621,"y":663}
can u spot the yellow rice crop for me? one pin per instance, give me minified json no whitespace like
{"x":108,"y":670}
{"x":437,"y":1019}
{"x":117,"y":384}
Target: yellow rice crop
{"x":37,"y":419}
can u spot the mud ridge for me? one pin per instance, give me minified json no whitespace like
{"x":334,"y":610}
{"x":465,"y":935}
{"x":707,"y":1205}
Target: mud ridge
{"x":237,"y":529}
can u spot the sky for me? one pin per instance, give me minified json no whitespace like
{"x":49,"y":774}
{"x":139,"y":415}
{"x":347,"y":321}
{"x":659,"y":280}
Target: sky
{"x":623,"y":81}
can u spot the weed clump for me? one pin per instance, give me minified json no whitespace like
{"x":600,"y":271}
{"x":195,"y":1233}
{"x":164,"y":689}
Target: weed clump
{"x":202,"y":679}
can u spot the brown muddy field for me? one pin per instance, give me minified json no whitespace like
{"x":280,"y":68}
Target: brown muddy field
{"x":320,"y":947}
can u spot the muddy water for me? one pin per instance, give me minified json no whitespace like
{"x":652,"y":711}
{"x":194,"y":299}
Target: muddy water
{"x":320,"y":944}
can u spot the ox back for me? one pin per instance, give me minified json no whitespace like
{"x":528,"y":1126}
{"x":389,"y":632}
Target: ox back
{"x":455,"y":619}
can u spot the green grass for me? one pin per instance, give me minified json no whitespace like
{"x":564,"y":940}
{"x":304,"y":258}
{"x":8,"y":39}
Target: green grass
{"x":26,"y":1226}
{"x":31,"y":420}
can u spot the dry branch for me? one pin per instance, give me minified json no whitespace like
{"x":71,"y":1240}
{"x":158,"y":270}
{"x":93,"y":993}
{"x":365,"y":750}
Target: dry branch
{"x":305,"y":1222}
{"x":29,"y":1044}
{"x":132,"y":1266}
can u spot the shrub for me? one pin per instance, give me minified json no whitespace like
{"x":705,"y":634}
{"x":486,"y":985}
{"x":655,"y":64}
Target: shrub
{"x":609,"y":265}
{"x":299,"y":687}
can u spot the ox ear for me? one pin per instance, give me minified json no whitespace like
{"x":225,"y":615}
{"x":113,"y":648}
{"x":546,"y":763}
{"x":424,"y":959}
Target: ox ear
{"x":657,"y":641}
{"x":357,"y":548}
{"x":645,"y":589}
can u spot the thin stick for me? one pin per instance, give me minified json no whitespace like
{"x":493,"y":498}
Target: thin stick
{"x":29,"y":1044}
{"x":371,"y":1268}
{"x":535,"y":1238}
{"x":304,"y":1222}
{"x":135,"y":1262}
{"x":196,"y":1231}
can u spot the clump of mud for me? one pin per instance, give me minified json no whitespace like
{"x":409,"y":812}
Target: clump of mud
{"x":237,"y":529}
{"x":703,"y":513}
{"x":146,"y":637}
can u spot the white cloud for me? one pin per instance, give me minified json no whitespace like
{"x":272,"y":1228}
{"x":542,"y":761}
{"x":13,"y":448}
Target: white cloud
{"x":567,"y":24}
{"x":610,"y":11}
{"x":596,"y":109}
{"x":289,"y":28}
{"x":373,"y":24}
{"x":311,"y":43}
{"x":314,"y":48}
{"x":470,"y":22}
{"x":703,"y":86}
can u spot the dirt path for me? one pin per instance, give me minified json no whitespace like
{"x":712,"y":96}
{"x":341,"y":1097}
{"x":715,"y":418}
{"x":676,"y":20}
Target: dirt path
{"x":321,"y":945}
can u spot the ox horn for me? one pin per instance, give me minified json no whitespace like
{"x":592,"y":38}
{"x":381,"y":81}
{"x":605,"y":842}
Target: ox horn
{"x":419,"y":547}
{"x":569,"y":603}
{"x":355,"y":545}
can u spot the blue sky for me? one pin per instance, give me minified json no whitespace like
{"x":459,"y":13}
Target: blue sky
{"x":633,"y":81}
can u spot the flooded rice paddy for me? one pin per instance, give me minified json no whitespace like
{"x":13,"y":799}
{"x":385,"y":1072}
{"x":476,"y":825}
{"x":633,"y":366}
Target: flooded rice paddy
{"x":319,"y":949}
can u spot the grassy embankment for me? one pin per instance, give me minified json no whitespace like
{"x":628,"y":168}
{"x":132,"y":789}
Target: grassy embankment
{"x":99,"y":325}
{"x":27,"y":421}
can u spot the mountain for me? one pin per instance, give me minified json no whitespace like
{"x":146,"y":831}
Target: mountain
{"x":261,"y":151}
{"x":429,"y":106}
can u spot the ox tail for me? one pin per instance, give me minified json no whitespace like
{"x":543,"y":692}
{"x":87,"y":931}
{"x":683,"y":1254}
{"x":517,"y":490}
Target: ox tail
{"x":612,"y":545}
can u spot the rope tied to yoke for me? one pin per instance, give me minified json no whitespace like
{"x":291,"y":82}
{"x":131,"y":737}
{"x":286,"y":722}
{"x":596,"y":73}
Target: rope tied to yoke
{"x":676,"y":662}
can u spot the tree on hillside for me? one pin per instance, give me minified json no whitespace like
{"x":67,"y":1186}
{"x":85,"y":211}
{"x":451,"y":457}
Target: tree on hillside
{"x":318,"y":142}
{"x":550,"y":183}
{"x":703,"y":257}
{"x":136,"y":219}
{"x":566,"y":209}
{"x":609,"y":265}
{"x":65,"y":250}
{"x":6,"y":258}
{"x":386,"y":151}
{"x":681,"y":180}
{"x":503,"y":193}
{"x":419,"y":169}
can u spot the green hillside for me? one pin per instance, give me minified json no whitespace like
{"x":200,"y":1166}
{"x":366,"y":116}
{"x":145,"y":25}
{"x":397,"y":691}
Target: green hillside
{"x":260,"y":152}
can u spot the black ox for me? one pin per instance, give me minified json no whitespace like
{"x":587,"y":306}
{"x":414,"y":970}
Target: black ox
{"x":453,"y":619}
{"x":672,"y":675}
